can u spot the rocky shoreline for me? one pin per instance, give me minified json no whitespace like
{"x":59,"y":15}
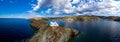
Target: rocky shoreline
{"x":46,"y":33}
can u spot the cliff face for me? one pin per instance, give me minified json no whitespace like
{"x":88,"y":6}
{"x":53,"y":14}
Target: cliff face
{"x":81,"y":18}
{"x":46,"y":33}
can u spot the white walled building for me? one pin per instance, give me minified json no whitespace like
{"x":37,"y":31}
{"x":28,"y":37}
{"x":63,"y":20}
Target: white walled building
{"x":52,"y":24}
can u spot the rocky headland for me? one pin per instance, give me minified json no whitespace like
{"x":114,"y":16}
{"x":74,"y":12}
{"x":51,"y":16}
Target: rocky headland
{"x":46,"y":33}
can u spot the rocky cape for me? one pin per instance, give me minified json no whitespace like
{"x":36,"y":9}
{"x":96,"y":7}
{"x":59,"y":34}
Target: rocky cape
{"x":46,"y":33}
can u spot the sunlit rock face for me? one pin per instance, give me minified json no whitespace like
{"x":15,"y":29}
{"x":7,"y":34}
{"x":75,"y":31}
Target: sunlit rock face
{"x":47,"y":33}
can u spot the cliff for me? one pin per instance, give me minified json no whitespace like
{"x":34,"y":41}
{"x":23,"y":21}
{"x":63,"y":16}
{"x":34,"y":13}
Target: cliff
{"x":113,"y":18}
{"x":80,"y":18}
{"x":46,"y":33}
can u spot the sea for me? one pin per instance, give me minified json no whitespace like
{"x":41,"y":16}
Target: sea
{"x":16,"y":29}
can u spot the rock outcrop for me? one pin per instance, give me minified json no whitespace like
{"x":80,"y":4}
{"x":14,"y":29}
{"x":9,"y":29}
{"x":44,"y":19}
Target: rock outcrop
{"x":46,"y":33}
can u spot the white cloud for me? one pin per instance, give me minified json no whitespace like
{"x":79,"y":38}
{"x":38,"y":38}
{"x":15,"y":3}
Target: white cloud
{"x":59,"y":6}
{"x":48,"y":11}
{"x":62,"y":6}
{"x":104,"y":7}
{"x":82,"y":7}
{"x":38,"y":5}
{"x":23,"y":15}
{"x":75,"y":1}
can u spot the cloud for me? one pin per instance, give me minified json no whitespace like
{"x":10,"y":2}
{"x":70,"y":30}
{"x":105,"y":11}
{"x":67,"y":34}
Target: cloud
{"x":23,"y":15}
{"x":41,"y":3}
{"x":75,"y":1}
{"x":48,"y":11}
{"x":63,"y":6}
{"x":104,"y":7}
{"x":81,"y":7}
{"x":35,"y":8}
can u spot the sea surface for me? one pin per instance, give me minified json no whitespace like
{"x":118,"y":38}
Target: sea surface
{"x":15,"y":30}
{"x":92,"y":31}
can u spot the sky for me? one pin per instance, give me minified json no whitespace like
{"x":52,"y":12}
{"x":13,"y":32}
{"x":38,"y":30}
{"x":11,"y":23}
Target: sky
{"x":15,"y":8}
{"x":42,"y":8}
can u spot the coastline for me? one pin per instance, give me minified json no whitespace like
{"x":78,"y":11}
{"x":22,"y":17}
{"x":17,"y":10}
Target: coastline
{"x":50,"y":34}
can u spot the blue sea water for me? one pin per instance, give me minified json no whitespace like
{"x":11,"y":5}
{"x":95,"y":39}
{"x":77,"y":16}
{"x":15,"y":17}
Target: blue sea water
{"x":14,"y":29}
{"x":94,"y":31}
